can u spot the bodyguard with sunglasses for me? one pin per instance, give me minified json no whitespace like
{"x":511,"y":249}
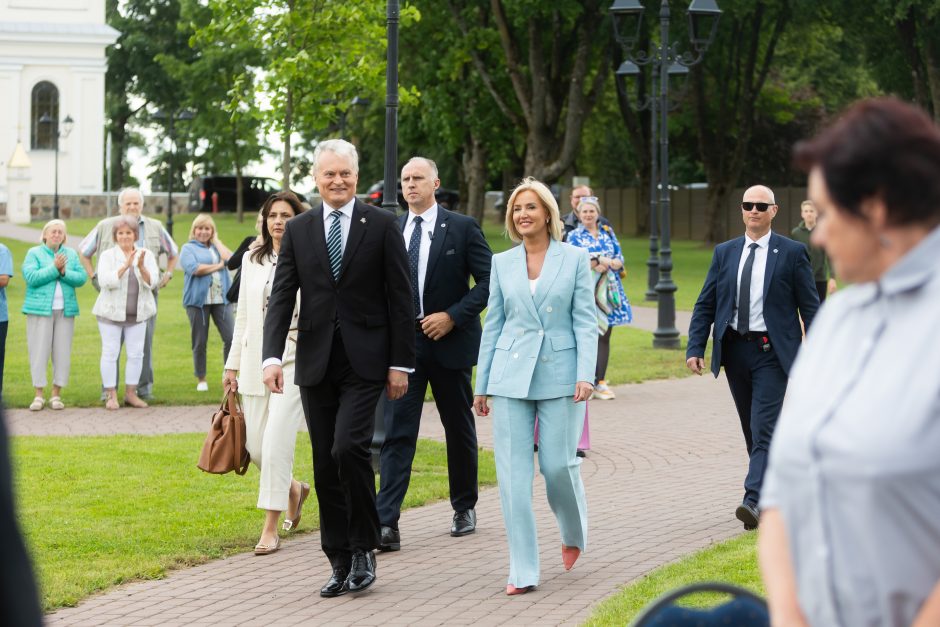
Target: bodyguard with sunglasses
{"x":757,"y":289}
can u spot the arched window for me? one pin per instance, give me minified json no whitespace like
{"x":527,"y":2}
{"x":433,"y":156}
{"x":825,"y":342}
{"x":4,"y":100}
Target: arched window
{"x":45,"y":102}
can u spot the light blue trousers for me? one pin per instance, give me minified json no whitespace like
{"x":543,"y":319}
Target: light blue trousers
{"x":560,"y":424}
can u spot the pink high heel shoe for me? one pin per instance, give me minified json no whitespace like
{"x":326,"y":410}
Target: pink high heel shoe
{"x":569,"y":555}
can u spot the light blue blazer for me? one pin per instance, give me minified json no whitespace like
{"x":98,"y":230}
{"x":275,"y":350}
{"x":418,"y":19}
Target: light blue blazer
{"x":538,"y":346}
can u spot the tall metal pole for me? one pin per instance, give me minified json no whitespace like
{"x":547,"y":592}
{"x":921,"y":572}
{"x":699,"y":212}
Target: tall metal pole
{"x":666,"y":334}
{"x":390,"y":193}
{"x":55,"y":195}
{"x":653,"y":262}
{"x":169,"y":180}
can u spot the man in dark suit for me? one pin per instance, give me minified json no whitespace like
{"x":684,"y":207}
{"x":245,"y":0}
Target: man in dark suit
{"x":757,"y":289}
{"x":355,"y":336}
{"x":444,"y":250}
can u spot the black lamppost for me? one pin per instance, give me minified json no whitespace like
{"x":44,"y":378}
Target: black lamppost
{"x":67,"y":124}
{"x":628,"y":69}
{"x":703,"y":24}
{"x":171,"y":118}
{"x":389,"y":195}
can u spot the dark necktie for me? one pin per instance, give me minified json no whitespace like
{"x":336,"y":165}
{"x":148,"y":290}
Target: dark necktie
{"x":744,"y":295}
{"x":414,"y":250}
{"x":334,"y":244}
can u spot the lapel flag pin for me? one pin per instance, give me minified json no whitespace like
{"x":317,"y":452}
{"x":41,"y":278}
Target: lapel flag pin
{"x":363,"y":220}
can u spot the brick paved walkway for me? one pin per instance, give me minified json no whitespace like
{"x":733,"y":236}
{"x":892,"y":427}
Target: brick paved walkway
{"x":662,"y":480}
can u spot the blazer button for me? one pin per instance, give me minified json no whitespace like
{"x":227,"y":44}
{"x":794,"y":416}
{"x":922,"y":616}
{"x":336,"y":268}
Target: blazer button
{"x":548,"y":309}
{"x":541,"y":332}
{"x":515,"y":355}
{"x":544,"y":358}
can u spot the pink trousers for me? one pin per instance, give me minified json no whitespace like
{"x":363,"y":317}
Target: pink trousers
{"x":585,"y":443}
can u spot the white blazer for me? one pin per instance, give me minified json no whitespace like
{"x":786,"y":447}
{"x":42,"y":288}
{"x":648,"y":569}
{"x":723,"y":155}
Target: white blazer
{"x":248,"y":335}
{"x":112,"y":301}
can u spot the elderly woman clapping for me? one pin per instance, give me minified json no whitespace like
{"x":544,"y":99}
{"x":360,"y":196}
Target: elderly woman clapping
{"x":52,"y":272}
{"x":127,"y":275}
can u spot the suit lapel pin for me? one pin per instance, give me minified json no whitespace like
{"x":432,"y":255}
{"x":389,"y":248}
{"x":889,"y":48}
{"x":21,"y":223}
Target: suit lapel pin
{"x":443,"y":225}
{"x":775,"y":250}
{"x":363,"y":220}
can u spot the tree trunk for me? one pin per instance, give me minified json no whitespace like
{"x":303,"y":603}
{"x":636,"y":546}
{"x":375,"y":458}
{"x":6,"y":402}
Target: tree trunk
{"x":288,"y":127}
{"x":474,"y":170}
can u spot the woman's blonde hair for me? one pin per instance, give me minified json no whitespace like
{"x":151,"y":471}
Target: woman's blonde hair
{"x":203,"y":219}
{"x":49,"y":225}
{"x":554,"y":226}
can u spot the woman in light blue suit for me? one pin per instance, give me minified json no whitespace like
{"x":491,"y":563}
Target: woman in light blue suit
{"x":537,"y":356}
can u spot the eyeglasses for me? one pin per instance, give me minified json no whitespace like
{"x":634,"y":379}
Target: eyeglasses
{"x":760,"y":206}
{"x":590,"y":199}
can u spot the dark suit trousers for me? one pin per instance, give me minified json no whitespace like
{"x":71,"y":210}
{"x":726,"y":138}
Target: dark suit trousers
{"x":758,"y":385}
{"x":454,"y":398}
{"x":340,"y":412}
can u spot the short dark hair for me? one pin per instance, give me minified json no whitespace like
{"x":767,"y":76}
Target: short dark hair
{"x":267,"y":245}
{"x":880,"y":147}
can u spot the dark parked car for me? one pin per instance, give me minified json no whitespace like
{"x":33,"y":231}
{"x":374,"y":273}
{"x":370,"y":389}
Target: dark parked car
{"x":447,"y":198}
{"x":256,"y":190}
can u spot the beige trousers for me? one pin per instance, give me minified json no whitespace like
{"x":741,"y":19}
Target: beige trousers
{"x":271,"y":423}
{"x":50,"y":336}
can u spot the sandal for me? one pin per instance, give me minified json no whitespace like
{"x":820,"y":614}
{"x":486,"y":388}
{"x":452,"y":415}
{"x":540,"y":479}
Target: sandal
{"x":293,"y":524}
{"x":56,"y":403}
{"x":111,"y":402}
{"x":267,"y":549}
{"x":37,"y":404}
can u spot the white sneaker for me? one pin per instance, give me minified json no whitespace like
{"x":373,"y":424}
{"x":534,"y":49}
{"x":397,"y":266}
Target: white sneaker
{"x":602,"y":392}
{"x":202,"y":386}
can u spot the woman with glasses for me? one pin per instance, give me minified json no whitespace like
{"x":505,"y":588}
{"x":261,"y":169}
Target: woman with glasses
{"x":613,"y":308}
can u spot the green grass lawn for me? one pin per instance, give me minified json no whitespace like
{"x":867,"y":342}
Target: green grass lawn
{"x":631,"y":358}
{"x":133,"y":507}
{"x":733,"y":561}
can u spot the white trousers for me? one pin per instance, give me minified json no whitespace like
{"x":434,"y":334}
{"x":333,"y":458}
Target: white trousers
{"x":50,"y":336}
{"x":134,"y":336}
{"x":271,"y":423}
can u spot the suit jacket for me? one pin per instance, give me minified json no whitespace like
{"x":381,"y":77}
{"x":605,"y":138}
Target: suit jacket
{"x":789,"y":294}
{"x":247,"y":335}
{"x":458,"y":251}
{"x":538,"y":346}
{"x":371,"y":301}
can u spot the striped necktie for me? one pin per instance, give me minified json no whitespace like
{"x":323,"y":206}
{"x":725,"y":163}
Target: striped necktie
{"x":334,"y":244}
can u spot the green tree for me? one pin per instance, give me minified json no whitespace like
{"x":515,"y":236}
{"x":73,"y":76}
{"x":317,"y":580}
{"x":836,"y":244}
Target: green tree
{"x":316,"y":55}
{"x":555,"y":57}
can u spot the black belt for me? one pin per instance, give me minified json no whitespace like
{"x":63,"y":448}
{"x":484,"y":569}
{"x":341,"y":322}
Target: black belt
{"x":750,"y":336}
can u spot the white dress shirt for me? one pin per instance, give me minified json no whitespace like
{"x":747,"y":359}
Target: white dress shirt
{"x":428,"y":220}
{"x":757,"y":282}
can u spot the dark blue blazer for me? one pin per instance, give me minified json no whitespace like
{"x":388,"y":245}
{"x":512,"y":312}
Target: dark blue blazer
{"x":789,"y":294}
{"x":458,"y":251}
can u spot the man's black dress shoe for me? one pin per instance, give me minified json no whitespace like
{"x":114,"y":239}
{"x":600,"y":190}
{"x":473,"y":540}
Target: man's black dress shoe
{"x":465,"y":522}
{"x":362,"y":571}
{"x":336,"y":586}
{"x":748,"y":514}
{"x":391,"y":539}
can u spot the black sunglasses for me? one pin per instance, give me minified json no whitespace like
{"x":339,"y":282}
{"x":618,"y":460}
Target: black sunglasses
{"x":760,"y":206}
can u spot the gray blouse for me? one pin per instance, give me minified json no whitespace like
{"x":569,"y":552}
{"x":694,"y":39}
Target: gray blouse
{"x":854,"y":465}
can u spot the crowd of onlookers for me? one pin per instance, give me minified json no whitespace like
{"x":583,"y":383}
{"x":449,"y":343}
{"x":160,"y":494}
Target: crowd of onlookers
{"x":121,"y":257}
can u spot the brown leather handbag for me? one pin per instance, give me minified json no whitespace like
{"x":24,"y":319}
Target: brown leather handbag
{"x":224,"y":449}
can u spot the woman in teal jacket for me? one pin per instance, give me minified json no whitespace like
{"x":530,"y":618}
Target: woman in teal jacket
{"x":52,"y":272}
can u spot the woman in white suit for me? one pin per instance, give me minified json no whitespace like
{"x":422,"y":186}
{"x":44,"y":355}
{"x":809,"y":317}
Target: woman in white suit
{"x":271,"y":419}
{"x":537,"y":356}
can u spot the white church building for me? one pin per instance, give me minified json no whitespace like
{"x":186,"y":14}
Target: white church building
{"x":52,"y":72}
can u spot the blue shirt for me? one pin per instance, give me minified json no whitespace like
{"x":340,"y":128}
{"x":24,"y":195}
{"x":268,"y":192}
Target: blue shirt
{"x":6,"y":267}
